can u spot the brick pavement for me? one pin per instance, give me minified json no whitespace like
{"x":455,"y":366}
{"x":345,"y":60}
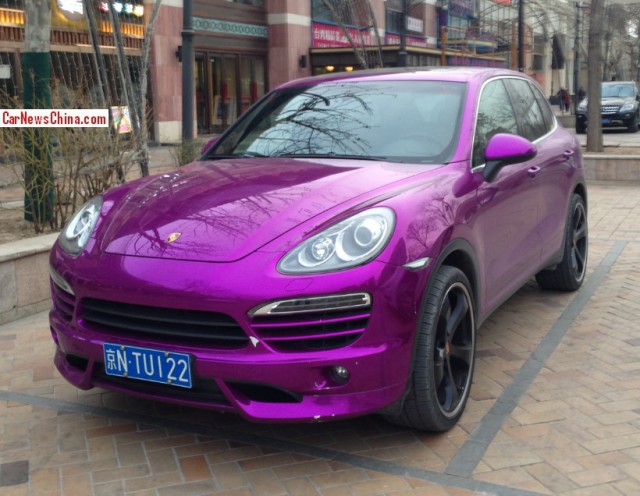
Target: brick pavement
{"x":554,"y":409}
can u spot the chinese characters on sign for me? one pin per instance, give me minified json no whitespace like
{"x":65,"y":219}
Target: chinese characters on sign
{"x":331,"y":36}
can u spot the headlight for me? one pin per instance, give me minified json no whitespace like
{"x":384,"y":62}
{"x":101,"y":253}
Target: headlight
{"x":627,"y":107}
{"x":76,"y":233}
{"x":582,"y":105}
{"x":352,"y":242}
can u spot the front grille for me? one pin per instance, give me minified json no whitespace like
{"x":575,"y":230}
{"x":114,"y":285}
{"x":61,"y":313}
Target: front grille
{"x":164,"y":324}
{"x":610,"y":109}
{"x":314,"y":329}
{"x":63,"y":302}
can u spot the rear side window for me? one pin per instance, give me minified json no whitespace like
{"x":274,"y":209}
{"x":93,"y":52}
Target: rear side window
{"x":547,"y":113}
{"x":531,"y":121}
{"x":495,"y":115}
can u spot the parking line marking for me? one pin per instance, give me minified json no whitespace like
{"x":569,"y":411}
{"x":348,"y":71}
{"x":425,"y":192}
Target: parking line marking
{"x":471,"y":452}
{"x":358,"y":461}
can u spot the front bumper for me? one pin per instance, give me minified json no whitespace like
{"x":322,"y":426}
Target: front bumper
{"x":260,"y":379}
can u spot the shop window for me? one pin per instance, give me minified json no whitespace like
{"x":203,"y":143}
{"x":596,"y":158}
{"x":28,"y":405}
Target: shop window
{"x":393,"y":20}
{"x":226,"y":86}
{"x":320,"y":12}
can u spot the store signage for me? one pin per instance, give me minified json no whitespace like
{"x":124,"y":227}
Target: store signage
{"x":72,"y":10}
{"x":415,"y":24}
{"x":394,"y":39}
{"x":234,"y":28}
{"x":126,"y":8}
{"x":5,"y":71}
{"x":331,"y":36}
{"x":461,"y":7}
{"x":506,"y":2}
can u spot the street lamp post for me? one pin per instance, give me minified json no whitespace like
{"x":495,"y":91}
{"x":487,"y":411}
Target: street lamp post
{"x":521,"y":35}
{"x":187,"y":71}
{"x":402,"y":54}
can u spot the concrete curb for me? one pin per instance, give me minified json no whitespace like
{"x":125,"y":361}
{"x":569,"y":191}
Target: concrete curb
{"x":612,"y":167}
{"x":24,"y":277}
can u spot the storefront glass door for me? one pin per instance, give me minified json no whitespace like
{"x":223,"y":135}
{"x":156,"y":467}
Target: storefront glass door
{"x":226,"y":86}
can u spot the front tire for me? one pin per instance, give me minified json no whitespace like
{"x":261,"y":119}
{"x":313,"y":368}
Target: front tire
{"x":581,"y":127}
{"x":569,"y":274}
{"x":445,"y":355}
{"x":632,"y":127}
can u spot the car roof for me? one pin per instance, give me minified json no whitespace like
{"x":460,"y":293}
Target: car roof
{"x":452,"y":74}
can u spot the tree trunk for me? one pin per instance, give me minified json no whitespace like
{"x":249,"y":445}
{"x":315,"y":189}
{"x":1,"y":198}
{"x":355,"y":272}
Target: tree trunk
{"x":36,"y":76}
{"x":143,"y":149}
{"x":594,"y":69}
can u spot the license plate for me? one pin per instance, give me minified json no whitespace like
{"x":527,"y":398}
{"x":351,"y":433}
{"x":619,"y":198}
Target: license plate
{"x":606,"y":121}
{"x":146,"y":364}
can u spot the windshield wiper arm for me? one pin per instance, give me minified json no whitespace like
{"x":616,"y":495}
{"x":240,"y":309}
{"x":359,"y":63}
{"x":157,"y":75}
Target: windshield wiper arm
{"x":236,"y":155}
{"x":333,"y":155}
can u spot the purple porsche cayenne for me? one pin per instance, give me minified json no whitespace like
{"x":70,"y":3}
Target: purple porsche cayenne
{"x":331,"y":255}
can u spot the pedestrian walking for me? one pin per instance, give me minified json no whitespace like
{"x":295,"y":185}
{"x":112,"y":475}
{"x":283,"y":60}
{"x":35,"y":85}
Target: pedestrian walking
{"x":564,"y":99}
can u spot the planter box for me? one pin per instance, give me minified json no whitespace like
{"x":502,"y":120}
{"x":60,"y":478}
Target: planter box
{"x":24,"y":277}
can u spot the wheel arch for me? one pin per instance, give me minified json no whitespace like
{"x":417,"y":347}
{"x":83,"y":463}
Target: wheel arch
{"x":459,"y":254}
{"x":581,"y":189}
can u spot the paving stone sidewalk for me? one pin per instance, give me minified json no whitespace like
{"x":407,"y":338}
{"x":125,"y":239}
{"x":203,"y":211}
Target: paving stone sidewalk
{"x":554,"y":410}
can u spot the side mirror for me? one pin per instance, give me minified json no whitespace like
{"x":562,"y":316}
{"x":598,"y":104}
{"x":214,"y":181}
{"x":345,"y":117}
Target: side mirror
{"x":209,"y":144}
{"x":503,"y":150}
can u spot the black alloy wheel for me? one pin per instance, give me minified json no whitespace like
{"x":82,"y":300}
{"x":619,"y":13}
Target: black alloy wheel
{"x":445,"y":355}
{"x":569,"y":274}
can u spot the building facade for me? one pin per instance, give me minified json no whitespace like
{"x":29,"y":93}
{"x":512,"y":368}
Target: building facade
{"x":245,"y":47}
{"x":72,"y":63}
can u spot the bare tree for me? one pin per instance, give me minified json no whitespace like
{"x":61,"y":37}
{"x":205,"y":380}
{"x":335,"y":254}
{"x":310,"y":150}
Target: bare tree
{"x":36,"y":74}
{"x":358,"y":13}
{"x":143,"y":149}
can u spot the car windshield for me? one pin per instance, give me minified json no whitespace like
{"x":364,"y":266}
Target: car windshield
{"x":617,"y":90}
{"x":401,"y":121}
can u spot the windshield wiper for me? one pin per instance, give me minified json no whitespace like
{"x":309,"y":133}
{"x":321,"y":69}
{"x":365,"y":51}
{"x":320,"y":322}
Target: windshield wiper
{"x":236,"y":155}
{"x":332,"y":155}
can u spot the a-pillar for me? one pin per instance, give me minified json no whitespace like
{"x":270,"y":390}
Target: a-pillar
{"x":289,"y":40}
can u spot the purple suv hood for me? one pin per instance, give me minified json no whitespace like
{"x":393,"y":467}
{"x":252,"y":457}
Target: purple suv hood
{"x":224,"y":210}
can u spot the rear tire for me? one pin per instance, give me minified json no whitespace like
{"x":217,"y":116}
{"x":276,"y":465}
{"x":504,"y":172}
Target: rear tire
{"x":445,"y":355}
{"x":569,"y":274}
{"x":581,"y":127}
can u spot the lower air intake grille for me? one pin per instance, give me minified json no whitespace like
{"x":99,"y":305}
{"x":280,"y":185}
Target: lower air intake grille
{"x":204,"y":391}
{"x":63,"y":302}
